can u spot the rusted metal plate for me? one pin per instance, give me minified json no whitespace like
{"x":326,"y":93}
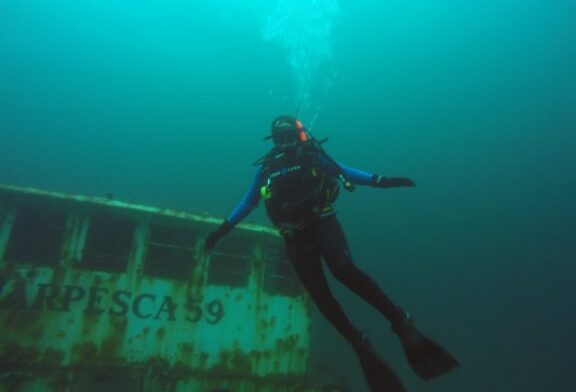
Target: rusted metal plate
{"x":23,"y":195}
{"x":75,"y":326}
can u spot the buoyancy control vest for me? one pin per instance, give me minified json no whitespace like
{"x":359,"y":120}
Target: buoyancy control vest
{"x":297,"y":188}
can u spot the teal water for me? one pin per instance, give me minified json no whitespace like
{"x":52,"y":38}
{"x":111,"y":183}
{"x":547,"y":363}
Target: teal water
{"x":166,"y":102}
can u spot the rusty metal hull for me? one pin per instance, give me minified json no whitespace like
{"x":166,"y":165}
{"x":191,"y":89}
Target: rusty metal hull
{"x":75,"y":325}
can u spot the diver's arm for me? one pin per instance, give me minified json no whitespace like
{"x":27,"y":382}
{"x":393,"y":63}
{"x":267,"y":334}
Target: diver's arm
{"x":356,"y":176}
{"x":249,"y":202}
{"x":245,"y":207}
{"x":337,"y":169}
{"x":361,"y":177}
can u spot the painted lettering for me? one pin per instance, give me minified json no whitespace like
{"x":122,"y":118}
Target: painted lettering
{"x":194,"y":310}
{"x":216,"y":311}
{"x":47,"y":293}
{"x":167,"y":307}
{"x":94,"y":299}
{"x":121,"y":302}
{"x":72,"y":294}
{"x":137,"y":303}
{"x":99,"y":300}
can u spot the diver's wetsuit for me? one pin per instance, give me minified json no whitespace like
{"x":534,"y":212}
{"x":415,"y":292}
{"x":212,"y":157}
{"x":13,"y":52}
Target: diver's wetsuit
{"x":320,"y":239}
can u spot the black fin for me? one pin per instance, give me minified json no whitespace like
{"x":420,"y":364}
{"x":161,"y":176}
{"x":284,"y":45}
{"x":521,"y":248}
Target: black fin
{"x":426,"y":357}
{"x":378,"y":374}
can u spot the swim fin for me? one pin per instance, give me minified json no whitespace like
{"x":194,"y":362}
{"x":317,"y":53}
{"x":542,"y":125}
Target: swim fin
{"x":426,"y":357}
{"x":378,"y":375}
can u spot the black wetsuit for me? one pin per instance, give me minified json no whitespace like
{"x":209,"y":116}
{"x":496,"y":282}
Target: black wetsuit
{"x":302,"y":188}
{"x":325,"y":240}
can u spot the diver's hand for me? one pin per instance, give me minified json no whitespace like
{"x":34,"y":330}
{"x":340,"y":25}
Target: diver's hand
{"x":216,"y":235}
{"x":391,"y":182}
{"x":211,"y":240}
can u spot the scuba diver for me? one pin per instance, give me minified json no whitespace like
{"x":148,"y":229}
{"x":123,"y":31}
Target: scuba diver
{"x":299,"y":184}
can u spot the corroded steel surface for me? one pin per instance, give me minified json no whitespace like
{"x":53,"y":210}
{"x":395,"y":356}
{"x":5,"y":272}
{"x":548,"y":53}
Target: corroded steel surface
{"x":21,"y":194}
{"x":66,"y":327}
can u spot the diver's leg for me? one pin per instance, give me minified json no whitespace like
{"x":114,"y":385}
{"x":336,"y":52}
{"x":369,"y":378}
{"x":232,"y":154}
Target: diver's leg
{"x":426,"y":357}
{"x":334,"y":249}
{"x":304,"y":256}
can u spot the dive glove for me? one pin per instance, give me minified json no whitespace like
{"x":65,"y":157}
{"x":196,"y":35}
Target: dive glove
{"x":217,"y":234}
{"x":391,"y":182}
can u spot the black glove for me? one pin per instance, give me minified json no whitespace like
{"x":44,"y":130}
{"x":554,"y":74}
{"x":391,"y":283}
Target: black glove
{"x":391,"y":182}
{"x":220,"y":232}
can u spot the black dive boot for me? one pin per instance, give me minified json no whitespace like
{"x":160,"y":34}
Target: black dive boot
{"x":426,"y":357}
{"x":378,"y":375}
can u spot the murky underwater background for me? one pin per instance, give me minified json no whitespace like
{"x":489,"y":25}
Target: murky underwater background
{"x":166,"y":103}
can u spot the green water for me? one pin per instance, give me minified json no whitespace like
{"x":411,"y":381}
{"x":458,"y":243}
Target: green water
{"x":166,"y":103}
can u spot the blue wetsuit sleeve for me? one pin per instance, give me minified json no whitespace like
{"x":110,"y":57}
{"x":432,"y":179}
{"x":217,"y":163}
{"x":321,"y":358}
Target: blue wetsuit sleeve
{"x":355,"y":176}
{"x":249,"y":202}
